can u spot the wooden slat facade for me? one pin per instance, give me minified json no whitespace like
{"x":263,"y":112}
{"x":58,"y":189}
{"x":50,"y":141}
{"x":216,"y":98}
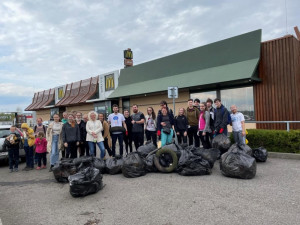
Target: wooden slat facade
{"x":277,"y":97}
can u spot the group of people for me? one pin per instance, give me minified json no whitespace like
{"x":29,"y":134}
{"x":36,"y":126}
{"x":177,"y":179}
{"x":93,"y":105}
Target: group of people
{"x":80,"y":134}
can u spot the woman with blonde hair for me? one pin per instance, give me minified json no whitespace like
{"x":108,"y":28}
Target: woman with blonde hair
{"x":94,"y":134}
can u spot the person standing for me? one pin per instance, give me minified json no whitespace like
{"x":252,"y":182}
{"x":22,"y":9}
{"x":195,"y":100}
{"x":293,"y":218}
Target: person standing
{"x":84,"y":144}
{"x":28,"y":141}
{"x":41,"y":150}
{"x":150,"y":126}
{"x":105,"y":134}
{"x":128,"y":138}
{"x":181,"y":126}
{"x":221,"y":119}
{"x":79,"y":121}
{"x":204,"y":127}
{"x":54,"y":140}
{"x":210,"y":109}
{"x":238,"y":126}
{"x":138,"y":120}
{"x":197,"y":103}
{"x":71,"y":137}
{"x":192,"y":114}
{"x":39,"y":127}
{"x":11,"y":144}
{"x":116,"y":120}
{"x":165,"y":122}
{"x":94,"y":134}
{"x":64,"y":120}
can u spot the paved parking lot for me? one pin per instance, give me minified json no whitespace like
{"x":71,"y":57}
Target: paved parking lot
{"x":272,"y":197}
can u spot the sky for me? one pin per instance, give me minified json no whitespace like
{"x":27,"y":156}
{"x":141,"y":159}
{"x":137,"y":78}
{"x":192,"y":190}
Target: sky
{"x":44,"y":44}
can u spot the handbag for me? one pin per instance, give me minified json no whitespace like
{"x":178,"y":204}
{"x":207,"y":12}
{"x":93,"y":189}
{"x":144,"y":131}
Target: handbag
{"x":166,"y":130}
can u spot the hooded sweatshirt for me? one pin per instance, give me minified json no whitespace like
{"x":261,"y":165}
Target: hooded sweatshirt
{"x":30,"y":137}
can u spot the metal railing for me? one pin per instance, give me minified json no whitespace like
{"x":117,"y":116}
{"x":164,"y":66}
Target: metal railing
{"x":286,"y":122}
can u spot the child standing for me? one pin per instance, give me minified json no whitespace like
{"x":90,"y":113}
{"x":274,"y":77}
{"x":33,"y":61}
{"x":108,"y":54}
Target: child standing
{"x":204,"y":126}
{"x":41,"y":150}
{"x":181,"y":126}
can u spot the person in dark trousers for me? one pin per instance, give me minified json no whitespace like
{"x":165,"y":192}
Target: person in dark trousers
{"x":204,"y":127}
{"x":80,"y":122}
{"x":210,"y":109}
{"x":192,"y":114}
{"x":105,"y":134}
{"x":84,"y":150}
{"x":39,"y":127}
{"x":128,"y":138}
{"x":197,"y":103}
{"x":150,"y":126}
{"x":138,"y":120}
{"x":163,"y":104}
{"x":117,"y":124}
{"x":41,"y":150}
{"x":64,"y":120}
{"x":28,"y":139}
{"x":221,"y":118}
{"x":11,"y":144}
{"x":71,"y":137}
{"x":181,"y":126}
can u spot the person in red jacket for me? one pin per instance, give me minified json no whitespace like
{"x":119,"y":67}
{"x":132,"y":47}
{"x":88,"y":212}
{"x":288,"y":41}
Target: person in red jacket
{"x":41,"y":150}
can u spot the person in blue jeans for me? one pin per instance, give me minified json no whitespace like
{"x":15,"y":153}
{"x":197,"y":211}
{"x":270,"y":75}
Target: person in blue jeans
{"x":165,"y":123}
{"x":28,"y":141}
{"x":94,"y":134}
{"x":54,"y":140}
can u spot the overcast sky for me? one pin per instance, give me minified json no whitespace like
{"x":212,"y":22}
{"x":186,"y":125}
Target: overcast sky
{"x":44,"y":44}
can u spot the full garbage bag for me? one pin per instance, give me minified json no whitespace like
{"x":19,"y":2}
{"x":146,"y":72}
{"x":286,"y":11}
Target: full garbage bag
{"x":238,"y":165}
{"x":221,"y":142}
{"x":149,"y":163}
{"x":114,"y":165}
{"x":174,"y":147}
{"x":193,"y":165}
{"x":63,"y":169}
{"x":211,"y":155}
{"x":260,"y":154}
{"x":99,"y":164}
{"x":85,"y":182}
{"x":133,"y":165}
{"x":241,"y":148}
{"x":146,"y":149}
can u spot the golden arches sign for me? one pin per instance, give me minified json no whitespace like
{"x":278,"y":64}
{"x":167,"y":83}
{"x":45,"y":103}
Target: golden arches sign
{"x":60,"y":93}
{"x":109,"y":83}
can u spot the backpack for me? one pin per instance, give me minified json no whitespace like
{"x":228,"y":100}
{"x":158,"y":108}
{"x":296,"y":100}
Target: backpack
{"x":44,"y":128}
{"x":228,"y":115}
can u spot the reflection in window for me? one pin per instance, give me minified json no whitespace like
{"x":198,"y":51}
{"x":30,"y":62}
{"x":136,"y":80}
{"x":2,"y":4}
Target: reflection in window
{"x":203,"y":96}
{"x":242,"y":98}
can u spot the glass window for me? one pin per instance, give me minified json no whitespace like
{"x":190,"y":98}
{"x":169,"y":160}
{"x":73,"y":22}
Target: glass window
{"x":203,"y":96}
{"x":53,"y":111}
{"x":242,"y":98}
{"x":126,"y":104}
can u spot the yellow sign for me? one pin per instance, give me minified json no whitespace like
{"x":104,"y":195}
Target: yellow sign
{"x":128,"y":54}
{"x":61,"y":93}
{"x":109,"y":82}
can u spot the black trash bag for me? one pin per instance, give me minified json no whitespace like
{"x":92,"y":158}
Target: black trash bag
{"x":241,"y":148}
{"x":190,"y":148}
{"x":85,"y":182}
{"x":146,"y":149}
{"x":211,"y":155}
{"x":63,"y":170}
{"x":133,"y":166}
{"x":149,"y":163}
{"x":221,"y":142}
{"x":99,"y":164}
{"x":84,"y":160}
{"x":260,"y":154}
{"x":175,"y":148}
{"x":194,"y":166}
{"x":114,"y":165}
{"x":184,"y":156}
{"x":238,"y":165}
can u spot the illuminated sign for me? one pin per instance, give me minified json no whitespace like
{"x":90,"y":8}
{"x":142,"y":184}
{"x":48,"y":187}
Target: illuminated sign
{"x":109,"y":82}
{"x":128,"y":54}
{"x":60,"y":93}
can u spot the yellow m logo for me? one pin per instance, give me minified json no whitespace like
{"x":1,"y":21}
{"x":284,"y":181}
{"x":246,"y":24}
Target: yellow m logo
{"x":60,"y":93}
{"x":109,"y":83}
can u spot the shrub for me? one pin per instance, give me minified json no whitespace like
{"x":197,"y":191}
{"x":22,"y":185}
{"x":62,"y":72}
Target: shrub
{"x":274,"y":140}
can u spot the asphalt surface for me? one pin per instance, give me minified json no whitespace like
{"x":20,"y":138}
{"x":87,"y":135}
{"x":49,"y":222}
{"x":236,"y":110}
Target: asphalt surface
{"x":272,"y":197}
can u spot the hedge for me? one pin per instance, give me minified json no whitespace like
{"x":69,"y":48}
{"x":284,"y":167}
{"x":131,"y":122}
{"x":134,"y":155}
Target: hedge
{"x":274,"y":140}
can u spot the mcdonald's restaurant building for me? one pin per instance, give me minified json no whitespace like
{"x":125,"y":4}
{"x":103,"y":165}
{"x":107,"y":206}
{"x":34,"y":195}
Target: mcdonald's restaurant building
{"x":261,"y":78}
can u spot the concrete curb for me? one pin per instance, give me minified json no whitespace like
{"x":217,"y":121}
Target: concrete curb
{"x":283,"y":155}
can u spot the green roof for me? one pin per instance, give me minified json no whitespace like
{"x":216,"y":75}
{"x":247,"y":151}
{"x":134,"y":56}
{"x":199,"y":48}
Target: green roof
{"x":231,"y":60}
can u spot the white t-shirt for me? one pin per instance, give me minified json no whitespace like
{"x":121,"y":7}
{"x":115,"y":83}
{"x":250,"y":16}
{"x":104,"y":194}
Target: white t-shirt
{"x":116,"y":120}
{"x":236,"y":120}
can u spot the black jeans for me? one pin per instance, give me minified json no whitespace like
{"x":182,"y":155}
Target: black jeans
{"x":205,"y":140}
{"x":192,"y":134}
{"x":41,"y":156}
{"x":13,"y":155}
{"x":114,"y":138}
{"x":84,"y":148}
{"x":151,"y":134}
{"x":106,"y":146}
{"x":128,"y":142}
{"x":71,"y":151}
{"x":181,"y":137}
{"x":138,"y":139}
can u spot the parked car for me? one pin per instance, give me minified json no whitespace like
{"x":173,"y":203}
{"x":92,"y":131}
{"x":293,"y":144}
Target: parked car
{"x":4,"y":132}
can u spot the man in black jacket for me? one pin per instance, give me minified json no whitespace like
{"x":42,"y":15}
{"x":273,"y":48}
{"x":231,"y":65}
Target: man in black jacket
{"x":84,"y":147}
{"x":11,"y":144}
{"x":220,"y":118}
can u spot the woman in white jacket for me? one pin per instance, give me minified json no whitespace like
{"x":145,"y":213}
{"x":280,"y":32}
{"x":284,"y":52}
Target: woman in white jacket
{"x":94,"y":134}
